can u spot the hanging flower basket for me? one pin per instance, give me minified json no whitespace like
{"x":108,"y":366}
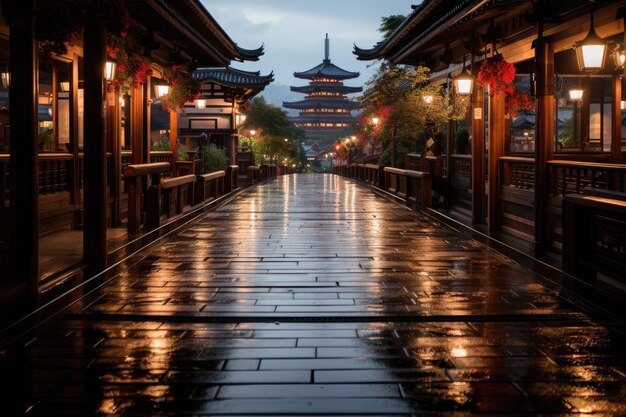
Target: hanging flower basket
{"x":131,"y":68}
{"x":183,"y":89}
{"x":497,"y":75}
{"x":518,"y":101}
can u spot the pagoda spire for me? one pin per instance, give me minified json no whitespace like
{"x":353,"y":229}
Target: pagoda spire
{"x":326,"y":49}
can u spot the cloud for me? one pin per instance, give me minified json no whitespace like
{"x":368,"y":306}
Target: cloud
{"x":293,"y":31}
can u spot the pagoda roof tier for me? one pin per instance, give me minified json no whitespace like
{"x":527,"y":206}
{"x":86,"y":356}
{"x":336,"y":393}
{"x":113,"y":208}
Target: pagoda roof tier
{"x":327,"y":70}
{"x":313,"y":88}
{"x":233,"y":77}
{"x":318,"y":118}
{"x":321,"y":104}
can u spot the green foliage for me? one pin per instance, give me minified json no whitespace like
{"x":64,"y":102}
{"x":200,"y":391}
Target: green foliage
{"x":401,"y":91}
{"x":568,"y":136}
{"x":163,"y":144}
{"x":46,"y":141}
{"x":273,"y":127}
{"x":401,"y":151}
{"x":214,"y":159}
{"x":462,"y":141}
{"x":388,"y":24}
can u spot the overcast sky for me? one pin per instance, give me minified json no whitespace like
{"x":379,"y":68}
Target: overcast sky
{"x":293,"y":31}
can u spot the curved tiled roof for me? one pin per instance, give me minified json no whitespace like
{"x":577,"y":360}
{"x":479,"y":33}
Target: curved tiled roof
{"x":326,"y":69}
{"x":320,"y":104}
{"x":323,"y":119}
{"x":233,"y":77}
{"x":328,"y":88}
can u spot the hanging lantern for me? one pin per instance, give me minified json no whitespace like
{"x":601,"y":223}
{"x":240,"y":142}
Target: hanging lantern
{"x":109,"y":71}
{"x":619,"y":57}
{"x":464,"y":83}
{"x":428,"y":99}
{"x":591,"y":51}
{"x":6,"y":79}
{"x":64,"y":86}
{"x":161,"y":90}
{"x":375,"y":121}
{"x":200,"y":104}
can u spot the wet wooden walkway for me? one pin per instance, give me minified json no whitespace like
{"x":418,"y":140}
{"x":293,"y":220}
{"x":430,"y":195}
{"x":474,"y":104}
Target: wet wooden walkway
{"x":312,"y":295}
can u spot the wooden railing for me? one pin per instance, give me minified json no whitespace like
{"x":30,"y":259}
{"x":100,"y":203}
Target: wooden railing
{"x":178,"y":193}
{"x":210,"y":186}
{"x":577,"y":177}
{"x":258,"y":173}
{"x":412,"y":186}
{"x":517,"y":172}
{"x":146,"y":200}
{"x":594,"y":237}
{"x":160,"y":156}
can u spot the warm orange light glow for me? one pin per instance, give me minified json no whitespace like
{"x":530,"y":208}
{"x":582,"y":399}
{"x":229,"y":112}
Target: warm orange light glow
{"x":109,"y":71}
{"x":200,"y":104}
{"x":375,"y":121}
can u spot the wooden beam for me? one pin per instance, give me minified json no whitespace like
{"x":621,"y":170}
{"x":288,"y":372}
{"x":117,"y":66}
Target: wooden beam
{"x":478,"y":155}
{"x":496,"y":151}
{"x":544,"y":137}
{"x":616,"y":119}
{"x":114,"y":147}
{"x":95,"y":201}
{"x":136,"y":125}
{"x":24,"y":246}
{"x":174,"y":140}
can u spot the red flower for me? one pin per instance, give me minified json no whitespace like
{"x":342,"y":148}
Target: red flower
{"x":497,"y":75}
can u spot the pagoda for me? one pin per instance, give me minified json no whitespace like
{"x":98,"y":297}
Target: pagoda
{"x":326,"y":109}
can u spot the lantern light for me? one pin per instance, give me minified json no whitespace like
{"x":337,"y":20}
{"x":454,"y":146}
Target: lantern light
{"x":200,"y":104}
{"x":64,"y":86}
{"x":623,"y":105}
{"x":576,"y":94}
{"x":463,"y":83}
{"x":375,"y":121}
{"x":6,"y":79}
{"x":161,"y":90}
{"x":428,"y":99}
{"x":286,"y":140}
{"x":253,"y":132}
{"x":619,"y":57}
{"x":591,"y":51}
{"x":109,"y":71}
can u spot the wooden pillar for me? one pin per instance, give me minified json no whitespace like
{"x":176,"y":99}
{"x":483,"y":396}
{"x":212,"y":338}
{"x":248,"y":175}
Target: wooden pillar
{"x":233,"y":133}
{"x":174,"y":140}
{"x":449,"y":151}
{"x":544,"y":136}
{"x":24,"y":162}
{"x":146,"y":106}
{"x":76,"y":166}
{"x":136,"y":125}
{"x":95,"y":242}
{"x":115,"y":148}
{"x":497,"y":128}
{"x":616,"y":118}
{"x":478,"y":154}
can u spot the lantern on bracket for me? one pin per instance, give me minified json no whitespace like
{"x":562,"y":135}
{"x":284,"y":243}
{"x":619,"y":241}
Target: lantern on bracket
{"x":109,"y":70}
{"x":200,"y":104}
{"x":591,"y":51}
{"x":161,"y":89}
{"x":464,"y":82}
{"x":619,"y":57}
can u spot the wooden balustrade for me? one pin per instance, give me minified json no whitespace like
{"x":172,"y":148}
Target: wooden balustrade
{"x":414,"y":187}
{"x":160,"y":156}
{"x":178,"y":193}
{"x":517,"y":172}
{"x":55,"y":172}
{"x":594,"y":237}
{"x":231,"y":182}
{"x":210,"y":186}
{"x":148,"y":194}
{"x":254,"y":174}
{"x":576,"y":177}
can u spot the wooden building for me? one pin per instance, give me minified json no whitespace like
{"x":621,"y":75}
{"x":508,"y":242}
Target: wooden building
{"x":526,"y":173}
{"x":218,"y":111}
{"x":326,"y":108}
{"x":76,"y":167}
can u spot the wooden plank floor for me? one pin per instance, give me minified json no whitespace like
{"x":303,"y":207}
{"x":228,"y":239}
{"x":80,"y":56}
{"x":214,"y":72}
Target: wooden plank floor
{"x":312,"y":295}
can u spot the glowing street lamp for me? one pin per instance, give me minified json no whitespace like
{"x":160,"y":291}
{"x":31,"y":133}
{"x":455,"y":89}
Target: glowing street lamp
{"x":428,"y":99}
{"x":576,"y":94}
{"x":200,"y":104}
{"x":375,"y":121}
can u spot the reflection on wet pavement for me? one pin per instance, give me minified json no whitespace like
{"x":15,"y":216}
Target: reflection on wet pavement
{"x":311,"y":295}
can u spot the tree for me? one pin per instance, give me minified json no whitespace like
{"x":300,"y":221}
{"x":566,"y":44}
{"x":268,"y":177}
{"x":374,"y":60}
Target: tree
{"x":275,"y":137}
{"x":389,"y":24}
